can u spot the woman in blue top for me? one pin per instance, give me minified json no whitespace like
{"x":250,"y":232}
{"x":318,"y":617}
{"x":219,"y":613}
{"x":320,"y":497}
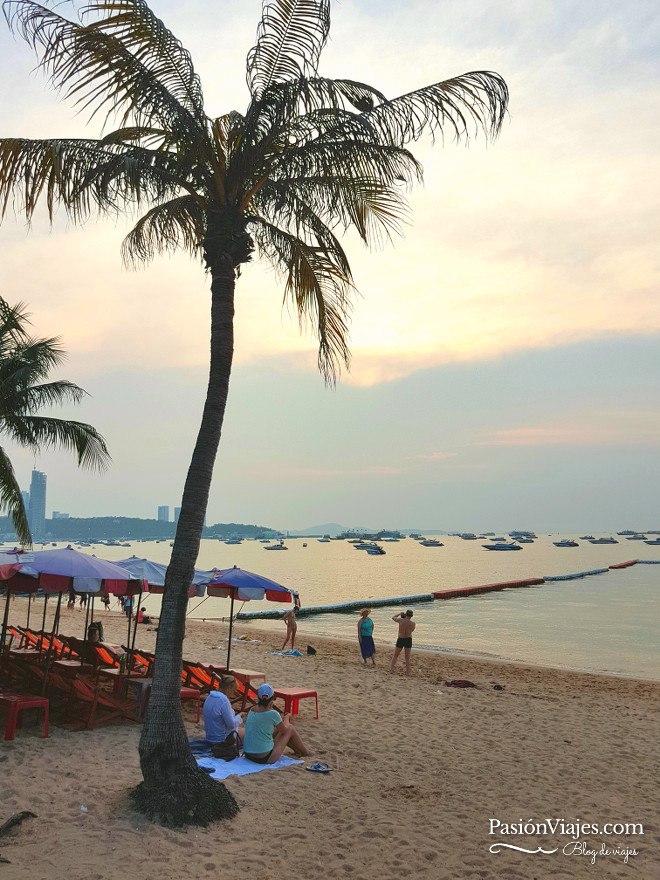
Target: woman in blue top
{"x":267,"y":734}
{"x":365,"y":636}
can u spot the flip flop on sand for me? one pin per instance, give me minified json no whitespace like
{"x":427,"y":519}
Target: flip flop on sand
{"x":320,"y":768}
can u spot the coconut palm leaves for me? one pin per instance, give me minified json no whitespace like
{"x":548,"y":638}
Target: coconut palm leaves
{"x":25,"y":364}
{"x":310,"y":158}
{"x":290,"y":38}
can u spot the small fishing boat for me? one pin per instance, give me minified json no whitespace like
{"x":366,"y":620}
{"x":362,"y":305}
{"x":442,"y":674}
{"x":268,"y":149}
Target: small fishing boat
{"x":567,"y":542}
{"x":603,"y":541}
{"x":501,"y":546}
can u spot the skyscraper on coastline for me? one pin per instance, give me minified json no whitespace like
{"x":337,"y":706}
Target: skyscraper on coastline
{"x":164,"y":513}
{"x":37,"y":506}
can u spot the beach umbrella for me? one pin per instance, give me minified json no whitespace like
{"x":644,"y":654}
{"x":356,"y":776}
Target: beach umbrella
{"x":57,"y":571}
{"x":153,"y":573}
{"x":235,"y":583}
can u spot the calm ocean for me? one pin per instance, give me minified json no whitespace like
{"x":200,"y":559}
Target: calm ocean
{"x":606,"y":623}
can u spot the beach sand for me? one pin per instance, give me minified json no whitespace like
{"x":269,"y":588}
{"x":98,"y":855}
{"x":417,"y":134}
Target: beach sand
{"x":421,"y":769}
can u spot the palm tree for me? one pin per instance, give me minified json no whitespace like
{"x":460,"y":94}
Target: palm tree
{"x":309,"y":158}
{"x":24,"y":365}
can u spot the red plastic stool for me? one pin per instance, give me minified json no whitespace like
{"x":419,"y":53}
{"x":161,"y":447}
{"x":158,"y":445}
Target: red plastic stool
{"x":16,"y":703}
{"x":292,"y":697}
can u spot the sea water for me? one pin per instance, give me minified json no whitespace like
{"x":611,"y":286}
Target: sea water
{"x":604,"y":623}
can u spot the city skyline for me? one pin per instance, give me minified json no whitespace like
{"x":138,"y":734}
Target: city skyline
{"x":505,"y":351}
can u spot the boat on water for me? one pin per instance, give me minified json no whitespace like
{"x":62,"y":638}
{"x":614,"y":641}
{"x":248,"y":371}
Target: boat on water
{"x":469,"y":536}
{"x":376,"y":550}
{"x":280,"y":545}
{"x":603,"y":541}
{"x":587,"y":538}
{"x":233,"y":541}
{"x":501,"y":546}
{"x":524,"y":540}
{"x":636,"y":538}
{"x":567,"y":542}
{"x":431,"y":542}
{"x":627,"y":532}
{"x":653,"y":543}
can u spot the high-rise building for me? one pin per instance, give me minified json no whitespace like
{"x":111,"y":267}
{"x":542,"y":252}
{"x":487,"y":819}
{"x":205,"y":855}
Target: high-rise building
{"x":26,"y":499}
{"x":164,"y":513}
{"x":60,"y":514}
{"x":37,"y":506}
{"x":177,"y":514}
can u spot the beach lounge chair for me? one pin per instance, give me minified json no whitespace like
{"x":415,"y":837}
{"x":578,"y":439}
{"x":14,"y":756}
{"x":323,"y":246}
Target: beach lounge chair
{"x":97,"y":705}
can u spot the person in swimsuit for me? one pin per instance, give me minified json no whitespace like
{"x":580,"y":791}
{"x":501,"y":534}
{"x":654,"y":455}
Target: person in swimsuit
{"x":365,"y":636}
{"x":267,"y":734}
{"x":404,"y":641}
{"x":291,"y":624}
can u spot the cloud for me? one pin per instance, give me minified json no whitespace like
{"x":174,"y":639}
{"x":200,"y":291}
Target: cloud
{"x":622,"y":431}
{"x":436,"y":456}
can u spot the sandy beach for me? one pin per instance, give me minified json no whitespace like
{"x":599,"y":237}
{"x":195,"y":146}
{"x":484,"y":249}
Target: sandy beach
{"x":421,"y":769}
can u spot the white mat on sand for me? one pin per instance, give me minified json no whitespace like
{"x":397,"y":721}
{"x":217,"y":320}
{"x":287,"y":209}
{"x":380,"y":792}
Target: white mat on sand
{"x":242,"y":766}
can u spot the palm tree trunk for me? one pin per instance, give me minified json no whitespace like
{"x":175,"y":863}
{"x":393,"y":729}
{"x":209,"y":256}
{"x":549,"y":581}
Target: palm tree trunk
{"x":175,"y":791}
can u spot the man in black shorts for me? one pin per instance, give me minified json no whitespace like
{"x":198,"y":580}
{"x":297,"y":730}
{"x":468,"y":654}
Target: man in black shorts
{"x":404,"y":641}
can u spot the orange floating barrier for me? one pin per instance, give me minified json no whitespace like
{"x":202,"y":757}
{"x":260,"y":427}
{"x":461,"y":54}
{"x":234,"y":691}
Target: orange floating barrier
{"x":485,"y":588}
{"x":625,"y":564}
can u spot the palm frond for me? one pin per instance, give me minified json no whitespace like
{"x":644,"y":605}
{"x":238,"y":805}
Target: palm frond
{"x":31,"y":399}
{"x":318,"y":288}
{"x":44,"y":432}
{"x":290,"y":38}
{"x":13,"y":330}
{"x":462,"y":105}
{"x":97,"y":72}
{"x":179,"y":223}
{"x":144,"y":35}
{"x":81,"y":175}
{"x":11,"y":500}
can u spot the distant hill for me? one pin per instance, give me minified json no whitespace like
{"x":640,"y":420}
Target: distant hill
{"x":324,"y":529}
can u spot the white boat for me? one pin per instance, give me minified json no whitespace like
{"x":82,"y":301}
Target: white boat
{"x":279,"y":546}
{"x":324,"y":540}
{"x":376,"y":550}
{"x":233,"y":541}
{"x":567,"y":542}
{"x":636,"y":538}
{"x":501,"y":546}
{"x":468,"y":536}
{"x":654,"y":543}
{"x":431,"y":542}
{"x":603,"y":541}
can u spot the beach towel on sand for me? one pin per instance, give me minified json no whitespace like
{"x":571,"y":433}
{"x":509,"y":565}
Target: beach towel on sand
{"x":201,"y":749}
{"x":241,"y":766}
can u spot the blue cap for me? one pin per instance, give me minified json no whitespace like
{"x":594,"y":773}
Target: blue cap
{"x":265,"y":691}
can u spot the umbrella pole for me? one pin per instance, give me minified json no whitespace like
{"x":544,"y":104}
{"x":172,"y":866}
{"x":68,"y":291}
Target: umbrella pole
{"x":5,"y":620}
{"x":190,"y":610}
{"x":49,"y":653}
{"x":132,"y":644}
{"x":84,"y":650}
{"x":231,"y":626}
{"x":27,"y":622}
{"x":43,"y":622}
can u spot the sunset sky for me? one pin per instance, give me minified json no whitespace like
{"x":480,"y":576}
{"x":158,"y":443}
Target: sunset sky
{"x":505,"y":351}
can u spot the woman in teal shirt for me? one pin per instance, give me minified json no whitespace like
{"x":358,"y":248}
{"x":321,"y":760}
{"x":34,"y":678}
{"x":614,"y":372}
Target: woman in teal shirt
{"x":267,"y":734}
{"x":365,"y":636}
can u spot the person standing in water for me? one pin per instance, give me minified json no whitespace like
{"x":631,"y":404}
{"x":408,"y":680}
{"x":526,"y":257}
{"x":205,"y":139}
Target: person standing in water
{"x":291,"y":624}
{"x":404,"y":641}
{"x":365,"y":629}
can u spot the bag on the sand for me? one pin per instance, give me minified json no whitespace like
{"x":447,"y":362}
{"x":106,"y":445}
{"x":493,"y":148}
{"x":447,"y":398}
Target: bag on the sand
{"x":311,"y":651}
{"x":228,"y":749}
